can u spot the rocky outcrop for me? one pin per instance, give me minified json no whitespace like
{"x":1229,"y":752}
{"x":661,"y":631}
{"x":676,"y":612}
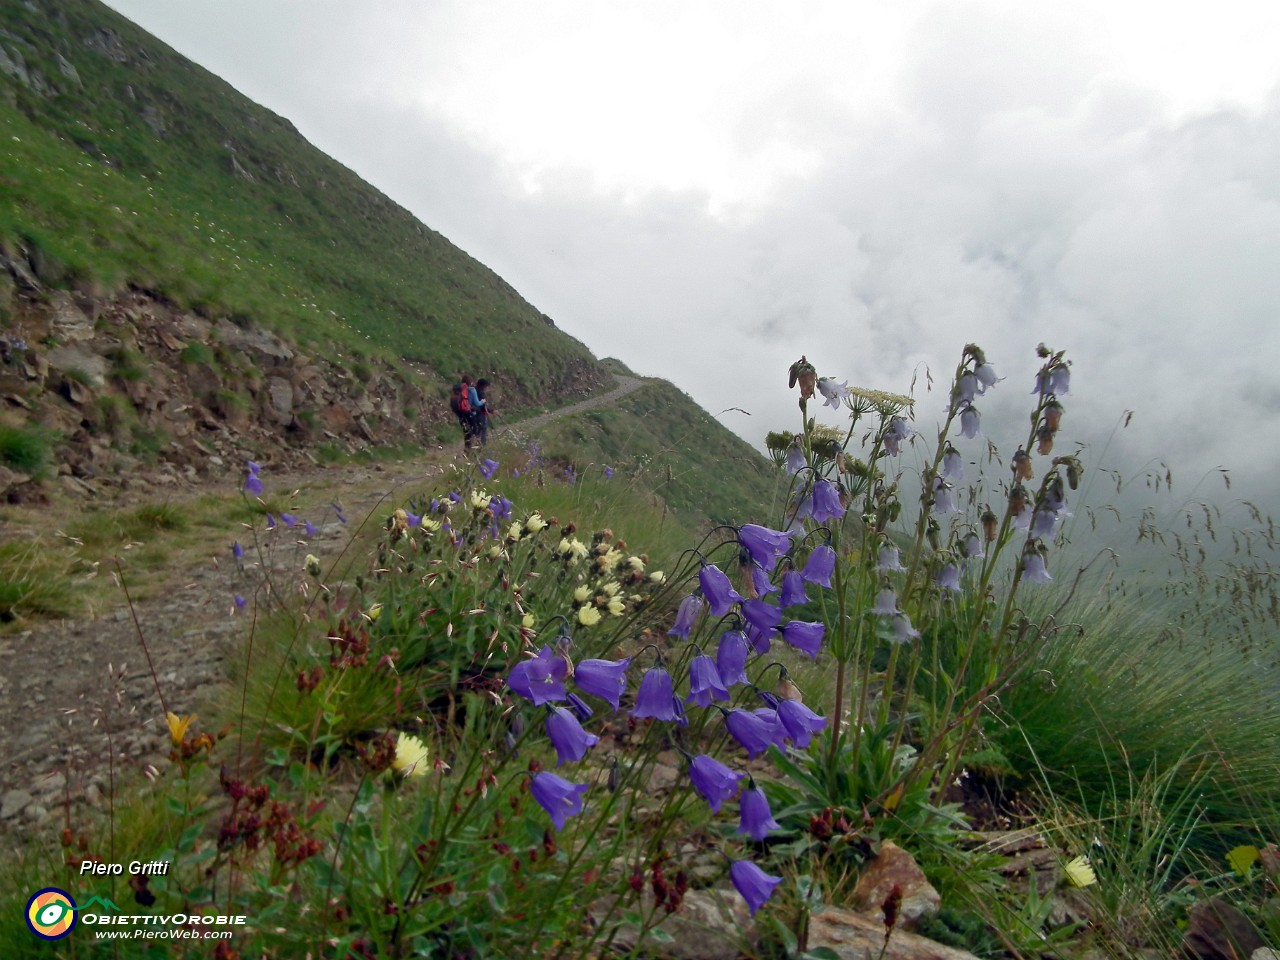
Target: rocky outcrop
{"x":130,"y":390}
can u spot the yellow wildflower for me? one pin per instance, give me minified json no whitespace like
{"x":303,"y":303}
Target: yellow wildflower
{"x":535,"y":523}
{"x":312,"y":565}
{"x":582,"y":594}
{"x":657,"y":577}
{"x":636,"y":564}
{"x":528,"y":620}
{"x":588,"y":616}
{"x":617,"y":606}
{"x":1080,"y":873}
{"x":178,"y":727}
{"x":480,"y":500}
{"x":610,"y":588}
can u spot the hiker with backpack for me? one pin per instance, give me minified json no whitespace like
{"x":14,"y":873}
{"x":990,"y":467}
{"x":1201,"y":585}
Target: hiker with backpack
{"x":460,"y":403}
{"x":480,"y":413}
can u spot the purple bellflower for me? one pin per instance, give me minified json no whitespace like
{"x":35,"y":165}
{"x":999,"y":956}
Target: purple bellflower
{"x":556,"y":795}
{"x":986,"y":375}
{"x":754,"y":734}
{"x":1034,"y":569}
{"x":289,"y":519}
{"x":886,"y":603}
{"x":237,"y":551}
{"x":898,"y":433}
{"x":754,"y":884}
{"x":833,"y":392}
{"x":800,"y":722}
{"x":949,"y":577}
{"x":888,"y":560}
{"x":970,"y":422}
{"x":608,"y":473}
{"x":656,"y":698}
{"x":488,"y":468}
{"x":757,"y":819}
{"x":688,"y":612}
{"x":903,"y":630}
{"x":826,"y":501}
{"x":777,"y":732}
{"x":944,"y":500}
{"x":731,"y":658}
{"x":271,"y":522}
{"x":606,"y":679}
{"x":718,"y":590}
{"x":820,"y":566}
{"x":253,"y":484}
{"x":714,"y":782}
{"x":765,"y":617}
{"x":792,"y":590}
{"x":973,"y":547}
{"x":705,"y":684}
{"x":310,"y":528}
{"x":764,"y":545}
{"x":805,"y":637}
{"x":760,"y":580}
{"x":795,"y":459}
{"x":952,"y":464}
{"x":540,"y":678}
{"x":759,"y":640}
{"x":567,"y":736}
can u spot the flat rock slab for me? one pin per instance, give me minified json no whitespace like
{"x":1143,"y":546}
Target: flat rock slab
{"x":853,"y":936}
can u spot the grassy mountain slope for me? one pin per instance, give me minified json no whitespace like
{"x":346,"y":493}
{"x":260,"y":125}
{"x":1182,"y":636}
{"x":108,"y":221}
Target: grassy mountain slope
{"x":128,"y":165}
{"x":174,"y":209}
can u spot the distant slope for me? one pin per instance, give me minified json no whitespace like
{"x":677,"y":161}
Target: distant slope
{"x":124,"y":164}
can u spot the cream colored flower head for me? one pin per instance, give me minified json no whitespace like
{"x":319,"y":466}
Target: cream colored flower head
{"x":312,"y":565}
{"x":535,"y":523}
{"x":582,"y":594}
{"x":657,"y":577}
{"x":617,"y":606}
{"x":588,"y":616}
{"x":411,"y":756}
{"x":480,"y":500}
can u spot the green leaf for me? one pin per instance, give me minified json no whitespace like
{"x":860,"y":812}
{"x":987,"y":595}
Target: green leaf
{"x":1242,"y":858}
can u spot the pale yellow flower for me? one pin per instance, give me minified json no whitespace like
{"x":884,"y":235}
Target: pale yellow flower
{"x":617,"y":606}
{"x":429,"y":525}
{"x":636,"y":564}
{"x":535,"y":523}
{"x":528,"y":620}
{"x":411,"y":756}
{"x":582,"y":594}
{"x":1080,"y":872}
{"x":480,"y":500}
{"x":515,"y":531}
{"x":657,"y":577}
{"x":312,"y":565}
{"x":610,"y":588}
{"x":374,"y":612}
{"x":588,"y":616}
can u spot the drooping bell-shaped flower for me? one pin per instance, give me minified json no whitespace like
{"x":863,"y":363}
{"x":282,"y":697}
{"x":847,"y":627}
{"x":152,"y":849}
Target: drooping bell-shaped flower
{"x":731,"y":658}
{"x":760,"y":580}
{"x":949,"y":577}
{"x":888,"y":559}
{"x":986,"y":375}
{"x":714,"y":782}
{"x":792,"y":590}
{"x":756,"y":817}
{"x":820,"y":566}
{"x":752,"y":733}
{"x":805,"y":637}
{"x":1060,"y":380}
{"x":237,"y":551}
{"x":970,"y":422}
{"x":1034,"y":569}
{"x":826,"y":501}
{"x":973,"y":547}
{"x":897,"y":434}
{"x":765,"y":617}
{"x":567,"y":736}
{"x":556,"y":795}
{"x":687,"y":613}
{"x":1042,"y":523}
{"x":777,"y":732}
{"x":718,"y":590}
{"x":886,"y":603}
{"x":488,"y":468}
{"x":800,"y":722}
{"x":656,"y":698}
{"x":253,"y":484}
{"x":795,"y":459}
{"x":966,"y":387}
{"x":764,"y":545}
{"x":903,"y":631}
{"x":952,"y":465}
{"x":705,"y":684}
{"x":944,"y":500}
{"x":754,"y":884}
{"x":759,"y":640}
{"x":540,"y":678}
{"x":606,"y":679}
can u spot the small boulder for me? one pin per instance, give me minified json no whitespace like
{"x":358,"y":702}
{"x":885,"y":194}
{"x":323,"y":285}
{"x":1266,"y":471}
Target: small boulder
{"x":894,"y":868}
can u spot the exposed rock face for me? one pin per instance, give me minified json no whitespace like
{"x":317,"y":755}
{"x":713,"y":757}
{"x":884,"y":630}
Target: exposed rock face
{"x":852,"y":936}
{"x":894,"y":873}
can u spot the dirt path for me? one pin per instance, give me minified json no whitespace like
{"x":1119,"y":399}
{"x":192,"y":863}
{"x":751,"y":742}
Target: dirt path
{"x":78,"y":703}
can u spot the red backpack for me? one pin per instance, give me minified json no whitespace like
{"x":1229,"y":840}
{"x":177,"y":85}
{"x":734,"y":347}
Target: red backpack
{"x":460,"y":399}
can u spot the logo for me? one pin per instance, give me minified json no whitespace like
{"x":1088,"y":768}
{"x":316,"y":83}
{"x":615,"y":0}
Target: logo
{"x":51,"y":913}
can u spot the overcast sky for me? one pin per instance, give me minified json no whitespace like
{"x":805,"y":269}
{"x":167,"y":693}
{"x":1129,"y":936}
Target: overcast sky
{"x":707,"y":190}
